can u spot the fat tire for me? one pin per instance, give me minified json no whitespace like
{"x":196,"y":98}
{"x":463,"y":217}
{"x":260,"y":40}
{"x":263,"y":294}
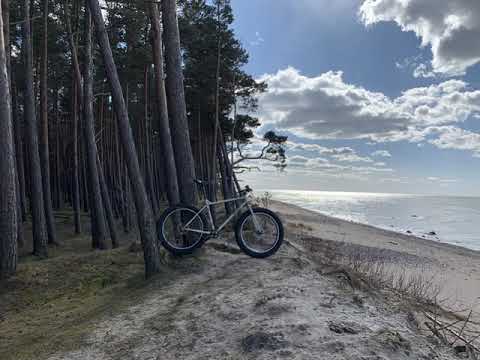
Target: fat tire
{"x":245,"y":248}
{"x":165,"y":243}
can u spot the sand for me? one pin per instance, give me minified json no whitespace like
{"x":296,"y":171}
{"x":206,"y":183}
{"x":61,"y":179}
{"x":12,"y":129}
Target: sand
{"x":221,"y":304}
{"x":454,"y":269}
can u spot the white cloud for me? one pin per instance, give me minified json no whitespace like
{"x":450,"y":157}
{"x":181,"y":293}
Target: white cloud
{"x":343,"y":154}
{"x":450,"y":137}
{"x":381,"y":153}
{"x":326,"y":107}
{"x":450,"y":27}
{"x":422,"y":71}
{"x":352,"y":158}
{"x":441,"y":181}
{"x":259,"y":40}
{"x":325,"y":167}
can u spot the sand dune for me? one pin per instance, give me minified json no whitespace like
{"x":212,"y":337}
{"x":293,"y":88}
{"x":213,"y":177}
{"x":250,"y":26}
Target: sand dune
{"x":456,"y":270}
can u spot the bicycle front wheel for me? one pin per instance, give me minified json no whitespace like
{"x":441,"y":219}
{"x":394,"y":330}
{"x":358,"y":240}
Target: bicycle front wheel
{"x":259,"y":233}
{"x":182,"y":229}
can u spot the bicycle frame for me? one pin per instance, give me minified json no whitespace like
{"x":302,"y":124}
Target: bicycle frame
{"x":216,"y":230}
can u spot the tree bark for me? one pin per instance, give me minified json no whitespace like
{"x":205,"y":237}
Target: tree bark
{"x":168,"y":155}
{"x":18,"y":130}
{"x":146,"y":224}
{"x":76,"y":172}
{"x":148,"y":147}
{"x":40,"y":237}
{"x":216,"y":125}
{"x":8,"y":201}
{"x":44,"y":144}
{"x":176,"y":104}
{"x":108,"y":205}
{"x":99,"y":234}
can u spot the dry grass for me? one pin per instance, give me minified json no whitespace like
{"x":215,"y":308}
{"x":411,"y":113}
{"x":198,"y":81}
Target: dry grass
{"x":417,"y":285}
{"x":263,"y":200}
{"x":411,"y":282}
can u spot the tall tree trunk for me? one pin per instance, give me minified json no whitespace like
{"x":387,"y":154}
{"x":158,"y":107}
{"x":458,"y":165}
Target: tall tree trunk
{"x":216,"y":125}
{"x":8,"y":201}
{"x":108,"y":205}
{"x":44,"y":144}
{"x":76,"y":172}
{"x":39,"y":227}
{"x":148,"y":148}
{"x":146,"y":224}
{"x":176,"y":104}
{"x":99,"y":234}
{"x":77,"y":104}
{"x":20,"y":214}
{"x":162,"y":108}
{"x":18,"y":131}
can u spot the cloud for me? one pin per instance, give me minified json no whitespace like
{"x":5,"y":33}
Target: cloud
{"x":441,"y":180}
{"x":342,"y":154}
{"x":381,"y":153}
{"x":259,"y":40}
{"x":450,"y":137}
{"x":326,"y":107}
{"x":298,"y":159}
{"x":451,"y":28}
{"x":328,"y":168}
{"x":352,"y":158}
{"x":422,"y":71}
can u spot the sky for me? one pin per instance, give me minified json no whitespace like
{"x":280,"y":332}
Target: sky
{"x":374,"y":95}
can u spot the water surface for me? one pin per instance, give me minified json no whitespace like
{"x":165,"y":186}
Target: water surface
{"x":454,"y":220}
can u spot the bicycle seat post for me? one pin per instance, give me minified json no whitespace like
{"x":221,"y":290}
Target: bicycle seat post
{"x":201,"y":184}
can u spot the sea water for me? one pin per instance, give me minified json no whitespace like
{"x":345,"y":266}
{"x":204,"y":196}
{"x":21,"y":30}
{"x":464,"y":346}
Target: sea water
{"x":450,"y":219}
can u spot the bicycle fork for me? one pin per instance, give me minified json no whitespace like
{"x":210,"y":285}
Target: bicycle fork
{"x":258,"y":227}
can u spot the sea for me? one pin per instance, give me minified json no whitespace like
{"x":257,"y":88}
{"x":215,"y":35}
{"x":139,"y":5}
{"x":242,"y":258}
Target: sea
{"x":450,"y":219}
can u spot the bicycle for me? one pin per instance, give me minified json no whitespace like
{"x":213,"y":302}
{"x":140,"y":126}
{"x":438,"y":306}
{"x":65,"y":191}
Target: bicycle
{"x":258,"y":231}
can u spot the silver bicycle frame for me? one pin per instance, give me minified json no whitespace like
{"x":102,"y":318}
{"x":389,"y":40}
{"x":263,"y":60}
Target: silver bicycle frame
{"x":215,"y":229}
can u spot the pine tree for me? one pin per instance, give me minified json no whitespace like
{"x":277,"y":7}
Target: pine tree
{"x":146,"y":224}
{"x":36,"y":191}
{"x":8,"y":201}
{"x":176,"y":104}
{"x":99,"y":227}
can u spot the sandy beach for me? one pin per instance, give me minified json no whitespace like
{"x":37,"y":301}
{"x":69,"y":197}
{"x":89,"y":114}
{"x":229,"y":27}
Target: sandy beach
{"x":455,"y":270}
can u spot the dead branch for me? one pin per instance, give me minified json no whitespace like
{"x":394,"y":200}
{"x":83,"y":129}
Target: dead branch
{"x":458,"y":336}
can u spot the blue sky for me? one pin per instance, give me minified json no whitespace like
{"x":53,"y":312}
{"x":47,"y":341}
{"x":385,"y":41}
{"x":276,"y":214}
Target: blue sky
{"x":352,"y":78}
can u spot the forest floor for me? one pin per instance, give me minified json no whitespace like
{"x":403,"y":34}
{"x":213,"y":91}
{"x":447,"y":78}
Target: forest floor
{"x":216,"y":304}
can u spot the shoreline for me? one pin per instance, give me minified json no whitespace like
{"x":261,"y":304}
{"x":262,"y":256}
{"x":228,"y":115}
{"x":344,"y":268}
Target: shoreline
{"x":391,"y":232}
{"x":455,"y":269}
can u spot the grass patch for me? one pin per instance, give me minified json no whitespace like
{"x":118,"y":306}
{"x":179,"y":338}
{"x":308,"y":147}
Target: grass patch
{"x":50,"y":305}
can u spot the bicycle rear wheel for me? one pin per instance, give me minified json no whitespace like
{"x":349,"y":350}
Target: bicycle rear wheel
{"x":259,"y":233}
{"x":181,"y":228}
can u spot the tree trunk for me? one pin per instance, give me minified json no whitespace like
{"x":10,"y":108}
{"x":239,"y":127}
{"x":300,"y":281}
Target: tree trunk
{"x":76,"y":173}
{"x":99,"y":234}
{"x":176,"y":104}
{"x":216,"y":125}
{"x":44,"y":145}
{"x":8,"y":201}
{"x":108,"y":205}
{"x":146,"y":224}
{"x":18,"y":130}
{"x":39,"y":228}
{"x":148,"y":148}
{"x":161,"y":100}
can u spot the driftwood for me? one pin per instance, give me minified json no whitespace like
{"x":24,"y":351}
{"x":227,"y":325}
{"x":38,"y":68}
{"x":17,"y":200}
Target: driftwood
{"x":448,"y":327}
